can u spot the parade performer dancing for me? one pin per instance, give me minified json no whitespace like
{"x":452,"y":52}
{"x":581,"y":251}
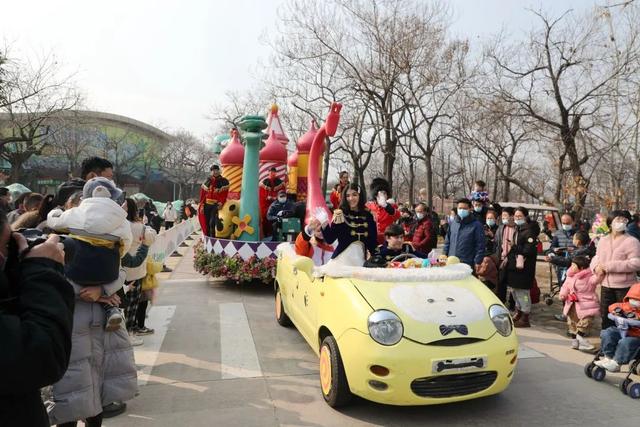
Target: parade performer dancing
{"x":213,"y":195}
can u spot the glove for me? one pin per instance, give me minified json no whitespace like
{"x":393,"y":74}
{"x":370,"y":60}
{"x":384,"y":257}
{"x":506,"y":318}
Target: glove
{"x":279,"y":213}
{"x":382,"y":200}
{"x":321,"y":215}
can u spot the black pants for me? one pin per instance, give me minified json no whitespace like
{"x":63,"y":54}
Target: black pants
{"x":90,"y":422}
{"x":211,"y":218}
{"x":168,"y":225}
{"x":141,"y":314}
{"x":609,"y":296}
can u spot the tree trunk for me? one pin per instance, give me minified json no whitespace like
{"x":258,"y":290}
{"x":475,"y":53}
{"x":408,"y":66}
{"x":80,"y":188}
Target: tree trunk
{"x":429,"y":171}
{"x":412,"y":178}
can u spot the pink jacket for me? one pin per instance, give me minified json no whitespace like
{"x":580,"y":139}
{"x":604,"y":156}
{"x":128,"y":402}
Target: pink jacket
{"x":583,"y":285}
{"x":620,"y":258}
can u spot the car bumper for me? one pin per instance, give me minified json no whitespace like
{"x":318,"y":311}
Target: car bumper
{"x":408,"y":361}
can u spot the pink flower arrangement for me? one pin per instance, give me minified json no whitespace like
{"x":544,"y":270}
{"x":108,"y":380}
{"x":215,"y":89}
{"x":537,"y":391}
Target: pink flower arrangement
{"x":233,"y":267}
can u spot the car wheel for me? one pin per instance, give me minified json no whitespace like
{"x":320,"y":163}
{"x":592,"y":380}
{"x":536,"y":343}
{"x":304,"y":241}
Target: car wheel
{"x":281,"y":315}
{"x":333,"y":380}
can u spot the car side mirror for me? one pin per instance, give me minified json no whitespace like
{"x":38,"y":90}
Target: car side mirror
{"x":303,"y":265}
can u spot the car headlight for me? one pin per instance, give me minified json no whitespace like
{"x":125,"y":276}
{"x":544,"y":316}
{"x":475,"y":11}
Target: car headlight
{"x":385,"y":327}
{"x":501,"y":319}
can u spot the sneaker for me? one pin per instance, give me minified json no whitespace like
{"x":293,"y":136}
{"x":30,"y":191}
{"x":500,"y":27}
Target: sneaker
{"x":560,"y":317}
{"x":114,"y":319}
{"x":135,"y":340}
{"x":575,"y":344}
{"x":584,"y":345}
{"x":611,"y":365}
{"x":600,"y":361}
{"x":144,"y":331}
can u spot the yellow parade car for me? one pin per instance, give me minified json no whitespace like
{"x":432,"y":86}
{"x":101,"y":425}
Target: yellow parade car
{"x":415,"y":336}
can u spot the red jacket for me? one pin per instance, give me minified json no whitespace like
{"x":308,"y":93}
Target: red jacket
{"x":336,"y":196}
{"x":634,"y":293}
{"x":214,"y":190}
{"x":383,"y":217}
{"x":268,"y":193}
{"x":424,"y":238}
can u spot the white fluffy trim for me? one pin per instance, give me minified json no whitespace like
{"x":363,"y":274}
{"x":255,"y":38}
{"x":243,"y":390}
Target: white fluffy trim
{"x":343,"y":266}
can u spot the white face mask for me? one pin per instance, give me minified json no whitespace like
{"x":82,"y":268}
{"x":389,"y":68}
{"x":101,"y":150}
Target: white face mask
{"x":619,"y":226}
{"x":419,"y":215}
{"x":282,"y":199}
{"x":505,"y":221}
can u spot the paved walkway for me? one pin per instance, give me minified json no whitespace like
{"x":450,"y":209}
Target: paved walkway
{"x":218,"y":358}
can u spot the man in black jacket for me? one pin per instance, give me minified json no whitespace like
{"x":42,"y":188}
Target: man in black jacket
{"x":36,"y":317}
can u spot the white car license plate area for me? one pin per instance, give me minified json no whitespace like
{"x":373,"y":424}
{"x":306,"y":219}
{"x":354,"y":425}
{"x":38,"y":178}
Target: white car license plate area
{"x":457,"y":365}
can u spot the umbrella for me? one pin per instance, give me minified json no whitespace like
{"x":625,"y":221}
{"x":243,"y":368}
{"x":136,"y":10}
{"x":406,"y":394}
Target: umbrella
{"x":16,"y":190}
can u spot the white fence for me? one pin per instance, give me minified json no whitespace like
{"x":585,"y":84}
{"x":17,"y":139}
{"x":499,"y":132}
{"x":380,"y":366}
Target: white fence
{"x":168,"y":241}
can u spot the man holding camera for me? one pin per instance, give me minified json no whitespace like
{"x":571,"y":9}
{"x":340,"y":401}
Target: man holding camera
{"x":36,"y":315}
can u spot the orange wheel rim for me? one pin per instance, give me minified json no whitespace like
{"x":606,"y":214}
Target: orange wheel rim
{"x":278,"y":305}
{"x":325,"y":370}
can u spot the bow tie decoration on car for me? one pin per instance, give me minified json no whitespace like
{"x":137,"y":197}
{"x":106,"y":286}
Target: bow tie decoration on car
{"x":447,"y":329}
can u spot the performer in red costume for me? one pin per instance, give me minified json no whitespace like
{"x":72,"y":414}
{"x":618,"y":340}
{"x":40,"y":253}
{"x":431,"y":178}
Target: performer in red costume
{"x":336,"y":194}
{"x":384,"y":213}
{"x":268,"y":193}
{"x":213,"y":195}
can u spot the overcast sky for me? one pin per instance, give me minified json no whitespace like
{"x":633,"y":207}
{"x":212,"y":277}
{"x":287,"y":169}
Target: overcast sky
{"x":166,"y":62}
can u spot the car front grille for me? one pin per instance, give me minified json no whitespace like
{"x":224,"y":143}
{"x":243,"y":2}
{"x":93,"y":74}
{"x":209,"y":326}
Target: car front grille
{"x":453,"y":385}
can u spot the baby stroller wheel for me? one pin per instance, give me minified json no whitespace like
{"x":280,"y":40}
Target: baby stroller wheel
{"x":624,"y":384}
{"x":548,"y":301}
{"x":599,"y":373}
{"x":588,"y":369}
{"x":633,"y":390}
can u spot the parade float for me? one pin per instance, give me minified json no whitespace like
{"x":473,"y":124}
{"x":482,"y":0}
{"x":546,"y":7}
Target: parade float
{"x":238,"y":252}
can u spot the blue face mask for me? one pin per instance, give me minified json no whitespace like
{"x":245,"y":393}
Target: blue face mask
{"x":567,"y":227}
{"x":463,"y":213}
{"x":519,"y":221}
{"x":491,"y":222}
{"x":478,"y":208}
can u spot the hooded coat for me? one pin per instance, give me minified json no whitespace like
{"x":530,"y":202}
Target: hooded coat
{"x":634,"y":293}
{"x":583,"y":285}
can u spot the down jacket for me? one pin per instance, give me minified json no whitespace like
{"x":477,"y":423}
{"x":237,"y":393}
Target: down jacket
{"x":620,"y":258}
{"x":465,"y":239}
{"x":101,"y":370}
{"x":583,"y":285}
{"x":96,"y":215}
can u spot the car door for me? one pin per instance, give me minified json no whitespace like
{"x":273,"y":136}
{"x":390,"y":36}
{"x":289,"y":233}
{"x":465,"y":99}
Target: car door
{"x":307,"y":293}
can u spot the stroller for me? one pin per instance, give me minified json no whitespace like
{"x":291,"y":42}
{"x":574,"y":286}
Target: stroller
{"x":555,"y":277}
{"x":627,"y":386}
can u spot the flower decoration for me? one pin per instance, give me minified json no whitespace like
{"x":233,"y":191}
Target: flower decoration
{"x":242,"y":225}
{"x":234,"y":268}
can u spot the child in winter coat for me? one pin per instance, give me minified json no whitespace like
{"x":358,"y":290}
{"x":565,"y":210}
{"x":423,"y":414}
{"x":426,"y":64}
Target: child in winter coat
{"x":101,"y":235}
{"x":620,"y":345}
{"x":581,"y":303}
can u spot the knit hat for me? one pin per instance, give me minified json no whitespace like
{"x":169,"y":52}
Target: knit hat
{"x":101,"y":187}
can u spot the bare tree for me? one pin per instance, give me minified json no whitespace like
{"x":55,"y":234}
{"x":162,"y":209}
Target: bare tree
{"x":558,"y":78}
{"x":184,"y":160}
{"x":31,"y":98}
